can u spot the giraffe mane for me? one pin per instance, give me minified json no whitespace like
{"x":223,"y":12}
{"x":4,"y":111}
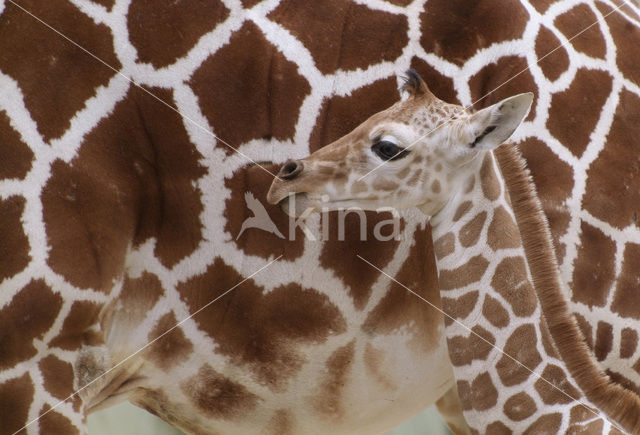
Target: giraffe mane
{"x":619,"y":403}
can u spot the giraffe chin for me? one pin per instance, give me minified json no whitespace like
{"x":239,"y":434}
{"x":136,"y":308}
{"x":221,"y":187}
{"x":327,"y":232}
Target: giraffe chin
{"x":298,"y":205}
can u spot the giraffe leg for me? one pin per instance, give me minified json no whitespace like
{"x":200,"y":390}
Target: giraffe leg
{"x":450,"y":409}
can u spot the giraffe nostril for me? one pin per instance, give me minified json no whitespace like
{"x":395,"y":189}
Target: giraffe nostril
{"x":290,"y":170}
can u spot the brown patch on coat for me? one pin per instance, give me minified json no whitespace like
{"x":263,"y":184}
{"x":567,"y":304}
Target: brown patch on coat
{"x":108,"y":4}
{"x":561,"y":392}
{"x":14,"y":249}
{"x":613,"y":186}
{"x":476,"y":346}
{"x":258,"y":329}
{"x":470,"y":232}
{"x":548,"y":423}
{"x":590,"y":40}
{"x":137,"y":297}
{"x":445,"y":245}
{"x":141,"y":294}
{"x":176,"y":205}
{"x":15,"y":156}
{"x":554,"y":183}
{"x":469,"y":184}
{"x":57,"y":376}
{"x":76,"y":327}
{"x":580,"y":413}
{"x":56,"y":77}
{"x":625,"y":300}
{"x":489,"y":179}
{"x":480,"y":395}
{"x":255,"y":181}
{"x":16,"y":396}
{"x":521,"y":345}
{"x":483,"y":393}
{"x":595,"y":427}
{"x":282,"y":423}
{"x":55,"y":423}
{"x":466,"y":28}
{"x":604,"y":340}
{"x":341,"y":256}
{"x":217,"y":396}
{"x":626,"y":37}
{"x":153,"y":177}
{"x":340,"y":115}
{"x":503,"y":232}
{"x":498,"y":428}
{"x":166,"y":30}
{"x":343,"y":35}
{"x":88,"y":244}
{"x":494,"y":312}
{"x":519,"y":406}
{"x":628,"y":342}
{"x":441,"y":86}
{"x":511,"y":282}
{"x":460,"y":307}
{"x":384,"y":184}
{"x":170,"y":348}
{"x":269,"y":92}
{"x":585,"y":329}
{"x":374,"y":360}
{"x":398,"y":308}
{"x":249,"y":3}
{"x":462,"y":210}
{"x":594,"y":267}
{"x":110,"y":194}
{"x":573,"y":113}
{"x":552,"y":57}
{"x":328,"y":401}
{"x":29,"y":315}
{"x":362,"y":187}
{"x":400,"y":2}
{"x":494,"y":82}
{"x":464,"y":275}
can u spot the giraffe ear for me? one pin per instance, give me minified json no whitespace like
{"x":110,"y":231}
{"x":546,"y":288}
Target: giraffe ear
{"x":493,"y":125}
{"x":414,"y":85}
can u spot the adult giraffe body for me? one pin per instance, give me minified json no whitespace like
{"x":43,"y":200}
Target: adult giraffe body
{"x":108,"y":198}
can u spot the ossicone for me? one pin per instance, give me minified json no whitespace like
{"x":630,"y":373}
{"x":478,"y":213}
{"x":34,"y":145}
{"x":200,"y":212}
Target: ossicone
{"x":414,"y":85}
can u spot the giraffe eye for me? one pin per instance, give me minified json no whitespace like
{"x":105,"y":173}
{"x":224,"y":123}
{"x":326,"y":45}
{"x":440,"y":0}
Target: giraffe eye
{"x":388,"y":150}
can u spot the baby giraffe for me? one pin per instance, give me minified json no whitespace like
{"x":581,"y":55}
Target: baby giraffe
{"x":519,"y":359}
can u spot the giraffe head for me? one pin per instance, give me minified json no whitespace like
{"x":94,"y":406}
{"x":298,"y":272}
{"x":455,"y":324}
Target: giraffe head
{"x":415,"y":153}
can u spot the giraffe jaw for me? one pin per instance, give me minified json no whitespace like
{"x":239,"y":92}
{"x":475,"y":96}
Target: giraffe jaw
{"x":297,"y":204}
{"x":303,"y":204}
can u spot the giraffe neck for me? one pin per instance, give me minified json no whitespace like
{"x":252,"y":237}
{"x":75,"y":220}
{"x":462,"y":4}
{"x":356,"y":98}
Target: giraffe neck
{"x":486,"y":282}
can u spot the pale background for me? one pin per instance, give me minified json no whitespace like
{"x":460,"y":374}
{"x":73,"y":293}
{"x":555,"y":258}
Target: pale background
{"x":127,"y":419}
